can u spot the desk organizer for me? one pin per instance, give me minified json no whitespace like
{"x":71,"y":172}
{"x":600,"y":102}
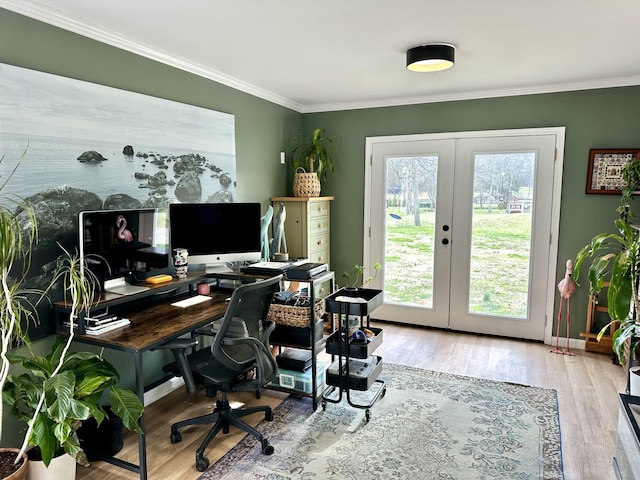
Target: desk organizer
{"x":362,"y":373}
{"x":338,"y":346}
{"x":372,"y":300}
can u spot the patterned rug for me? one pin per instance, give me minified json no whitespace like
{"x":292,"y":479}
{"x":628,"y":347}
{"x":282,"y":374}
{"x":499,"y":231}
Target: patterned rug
{"x":429,"y":425}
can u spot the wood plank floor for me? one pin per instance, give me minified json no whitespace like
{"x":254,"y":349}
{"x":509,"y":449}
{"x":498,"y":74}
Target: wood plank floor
{"x":587,"y":386}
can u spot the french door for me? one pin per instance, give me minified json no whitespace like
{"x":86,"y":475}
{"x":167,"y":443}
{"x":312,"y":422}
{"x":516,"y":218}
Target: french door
{"x":462,"y":225}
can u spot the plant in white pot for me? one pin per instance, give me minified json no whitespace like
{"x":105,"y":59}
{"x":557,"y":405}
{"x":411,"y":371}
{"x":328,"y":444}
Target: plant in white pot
{"x":312,"y":161}
{"x":62,"y":389}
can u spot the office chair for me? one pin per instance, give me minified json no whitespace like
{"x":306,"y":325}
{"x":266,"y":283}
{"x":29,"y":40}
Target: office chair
{"x":240,"y":346}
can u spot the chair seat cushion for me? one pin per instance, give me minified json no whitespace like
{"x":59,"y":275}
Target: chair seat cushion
{"x":213,"y":372}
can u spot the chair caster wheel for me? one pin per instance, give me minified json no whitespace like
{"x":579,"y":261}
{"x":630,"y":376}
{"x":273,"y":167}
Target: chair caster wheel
{"x":202,"y":464}
{"x":176,"y":437}
{"x":268,"y":416}
{"x":384,"y":392}
{"x":367,"y":415}
{"x":267,"y":449}
{"x":258,"y":394}
{"x":324,"y":405}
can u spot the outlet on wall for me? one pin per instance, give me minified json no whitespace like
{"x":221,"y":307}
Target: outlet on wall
{"x":282,"y":158}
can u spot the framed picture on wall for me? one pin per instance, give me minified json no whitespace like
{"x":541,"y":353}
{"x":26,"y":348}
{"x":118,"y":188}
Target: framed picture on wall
{"x":605,"y":169}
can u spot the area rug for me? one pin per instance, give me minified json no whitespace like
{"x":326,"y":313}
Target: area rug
{"x":429,"y":425}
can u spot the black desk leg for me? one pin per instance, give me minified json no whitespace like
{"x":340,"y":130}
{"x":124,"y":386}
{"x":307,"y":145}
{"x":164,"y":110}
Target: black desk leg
{"x":142,"y":442}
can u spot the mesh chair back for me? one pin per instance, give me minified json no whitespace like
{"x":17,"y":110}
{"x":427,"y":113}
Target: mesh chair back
{"x":246,"y":317}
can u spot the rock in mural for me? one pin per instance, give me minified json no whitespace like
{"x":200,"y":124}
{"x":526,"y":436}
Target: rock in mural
{"x":91,"y":156}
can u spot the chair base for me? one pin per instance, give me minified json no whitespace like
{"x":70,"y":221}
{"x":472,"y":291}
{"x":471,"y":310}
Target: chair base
{"x":223,"y":417}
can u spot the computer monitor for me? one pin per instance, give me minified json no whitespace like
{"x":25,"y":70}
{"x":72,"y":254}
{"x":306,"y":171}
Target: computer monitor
{"x":216,"y":234}
{"x":122,"y":247}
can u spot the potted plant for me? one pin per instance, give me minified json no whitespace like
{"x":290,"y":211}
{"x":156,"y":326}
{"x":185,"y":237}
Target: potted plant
{"x":61,"y":390}
{"x":617,"y":256}
{"x":16,"y":301}
{"x":313,"y":156}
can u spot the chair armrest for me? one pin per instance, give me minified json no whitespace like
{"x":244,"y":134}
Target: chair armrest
{"x":179,"y":348}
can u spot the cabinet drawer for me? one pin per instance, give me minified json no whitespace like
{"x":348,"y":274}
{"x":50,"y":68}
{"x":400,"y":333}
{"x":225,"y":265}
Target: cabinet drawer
{"x":318,"y":209}
{"x":318,"y":242}
{"x":322,"y":289}
{"x":318,"y":225}
{"x":319,"y":256}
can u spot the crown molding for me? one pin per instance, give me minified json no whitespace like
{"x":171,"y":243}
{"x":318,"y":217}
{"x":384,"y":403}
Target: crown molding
{"x":53,"y":17}
{"x":475,"y":95}
{"x":46,"y":14}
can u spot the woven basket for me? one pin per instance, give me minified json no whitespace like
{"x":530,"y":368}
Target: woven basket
{"x":306,"y":184}
{"x":293,"y":316}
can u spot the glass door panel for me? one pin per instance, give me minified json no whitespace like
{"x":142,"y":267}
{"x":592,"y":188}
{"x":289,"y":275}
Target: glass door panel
{"x":410,"y":226}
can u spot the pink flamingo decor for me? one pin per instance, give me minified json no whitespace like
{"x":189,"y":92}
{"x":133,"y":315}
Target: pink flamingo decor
{"x":566,"y":287}
{"x":123,"y":234}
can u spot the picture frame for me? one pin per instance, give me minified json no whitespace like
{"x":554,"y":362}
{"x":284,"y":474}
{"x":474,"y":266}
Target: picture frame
{"x":604,"y":175}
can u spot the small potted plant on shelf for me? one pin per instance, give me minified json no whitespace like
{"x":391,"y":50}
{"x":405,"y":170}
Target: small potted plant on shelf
{"x":617,"y":256}
{"x":312,"y":161}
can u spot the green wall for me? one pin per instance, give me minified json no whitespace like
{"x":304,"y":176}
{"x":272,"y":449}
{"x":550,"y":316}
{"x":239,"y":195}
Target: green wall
{"x":605,"y":118}
{"x":263,"y":129}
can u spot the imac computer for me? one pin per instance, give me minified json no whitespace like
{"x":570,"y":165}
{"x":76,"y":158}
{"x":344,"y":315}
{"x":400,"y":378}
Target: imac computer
{"x":123,"y":245}
{"x":217,"y":235}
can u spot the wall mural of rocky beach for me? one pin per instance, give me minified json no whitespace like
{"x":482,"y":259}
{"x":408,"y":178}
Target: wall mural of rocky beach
{"x":68,"y":146}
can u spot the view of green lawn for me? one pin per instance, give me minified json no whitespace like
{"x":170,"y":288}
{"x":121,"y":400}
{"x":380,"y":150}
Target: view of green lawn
{"x":499,"y":261}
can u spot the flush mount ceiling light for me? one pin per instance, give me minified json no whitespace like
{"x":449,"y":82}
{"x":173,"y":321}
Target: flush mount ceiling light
{"x":431,"y":57}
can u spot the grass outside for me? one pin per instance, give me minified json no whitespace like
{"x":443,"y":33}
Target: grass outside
{"x":499,"y":278}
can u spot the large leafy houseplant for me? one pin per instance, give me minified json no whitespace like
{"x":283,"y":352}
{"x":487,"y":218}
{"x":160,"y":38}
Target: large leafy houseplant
{"x":616,"y":256}
{"x":314,"y":154}
{"x":61,"y":390}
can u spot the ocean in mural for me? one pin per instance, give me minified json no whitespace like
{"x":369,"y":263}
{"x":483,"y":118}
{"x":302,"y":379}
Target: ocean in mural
{"x":150,"y":174}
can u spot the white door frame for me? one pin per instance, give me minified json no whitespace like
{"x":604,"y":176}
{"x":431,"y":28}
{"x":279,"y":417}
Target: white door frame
{"x":559,"y":132}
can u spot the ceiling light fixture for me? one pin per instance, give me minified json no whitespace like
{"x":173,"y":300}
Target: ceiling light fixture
{"x":431,"y":57}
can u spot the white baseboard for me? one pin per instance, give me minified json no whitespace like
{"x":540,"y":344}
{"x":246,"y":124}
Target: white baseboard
{"x":575,"y":343}
{"x":163,"y":389}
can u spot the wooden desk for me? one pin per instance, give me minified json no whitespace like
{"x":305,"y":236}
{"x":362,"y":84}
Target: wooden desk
{"x":151,"y":325}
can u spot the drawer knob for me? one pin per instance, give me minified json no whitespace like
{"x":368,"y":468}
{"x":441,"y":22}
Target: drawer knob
{"x":319,"y":225}
{"x":320,"y":242}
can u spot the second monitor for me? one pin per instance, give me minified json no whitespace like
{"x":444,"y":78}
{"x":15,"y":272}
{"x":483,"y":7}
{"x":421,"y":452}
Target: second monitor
{"x":216,"y":234}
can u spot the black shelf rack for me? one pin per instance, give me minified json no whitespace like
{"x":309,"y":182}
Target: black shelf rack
{"x":357,"y":367}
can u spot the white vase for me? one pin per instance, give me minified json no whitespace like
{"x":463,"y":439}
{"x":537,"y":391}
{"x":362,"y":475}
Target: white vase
{"x":60,"y":468}
{"x":634,"y":381}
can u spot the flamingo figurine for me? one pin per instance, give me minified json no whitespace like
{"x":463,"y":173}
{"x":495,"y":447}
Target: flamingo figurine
{"x":123,"y":233}
{"x":566,"y":287}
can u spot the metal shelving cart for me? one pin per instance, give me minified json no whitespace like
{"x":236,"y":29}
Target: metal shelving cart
{"x":355,"y":368}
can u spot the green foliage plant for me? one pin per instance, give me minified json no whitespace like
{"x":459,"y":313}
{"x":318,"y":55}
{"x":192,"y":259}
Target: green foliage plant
{"x":616,"y":256}
{"x":314,"y":154}
{"x":358,"y":279}
{"x":63,"y":388}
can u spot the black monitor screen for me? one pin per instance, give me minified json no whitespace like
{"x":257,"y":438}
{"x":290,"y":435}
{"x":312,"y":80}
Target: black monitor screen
{"x":216,"y":233}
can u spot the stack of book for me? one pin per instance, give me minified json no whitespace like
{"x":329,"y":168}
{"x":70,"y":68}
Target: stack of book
{"x":102,"y":323}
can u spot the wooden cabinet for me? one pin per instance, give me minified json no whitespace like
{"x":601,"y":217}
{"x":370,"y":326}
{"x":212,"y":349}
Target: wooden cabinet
{"x":307,"y":227}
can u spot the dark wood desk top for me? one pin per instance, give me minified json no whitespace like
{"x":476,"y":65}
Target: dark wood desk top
{"x":156,"y":324}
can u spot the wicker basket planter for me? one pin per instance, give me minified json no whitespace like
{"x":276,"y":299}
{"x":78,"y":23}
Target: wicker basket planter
{"x":306,"y":184}
{"x":294,"y":316}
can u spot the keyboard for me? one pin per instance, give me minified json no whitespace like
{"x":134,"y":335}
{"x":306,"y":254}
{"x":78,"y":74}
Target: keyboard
{"x":188,"y":302}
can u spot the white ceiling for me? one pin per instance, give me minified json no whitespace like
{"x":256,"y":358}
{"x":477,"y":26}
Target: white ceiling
{"x":345,"y":54}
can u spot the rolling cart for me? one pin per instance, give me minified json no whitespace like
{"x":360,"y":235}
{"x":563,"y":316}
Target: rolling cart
{"x":353,"y":343}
